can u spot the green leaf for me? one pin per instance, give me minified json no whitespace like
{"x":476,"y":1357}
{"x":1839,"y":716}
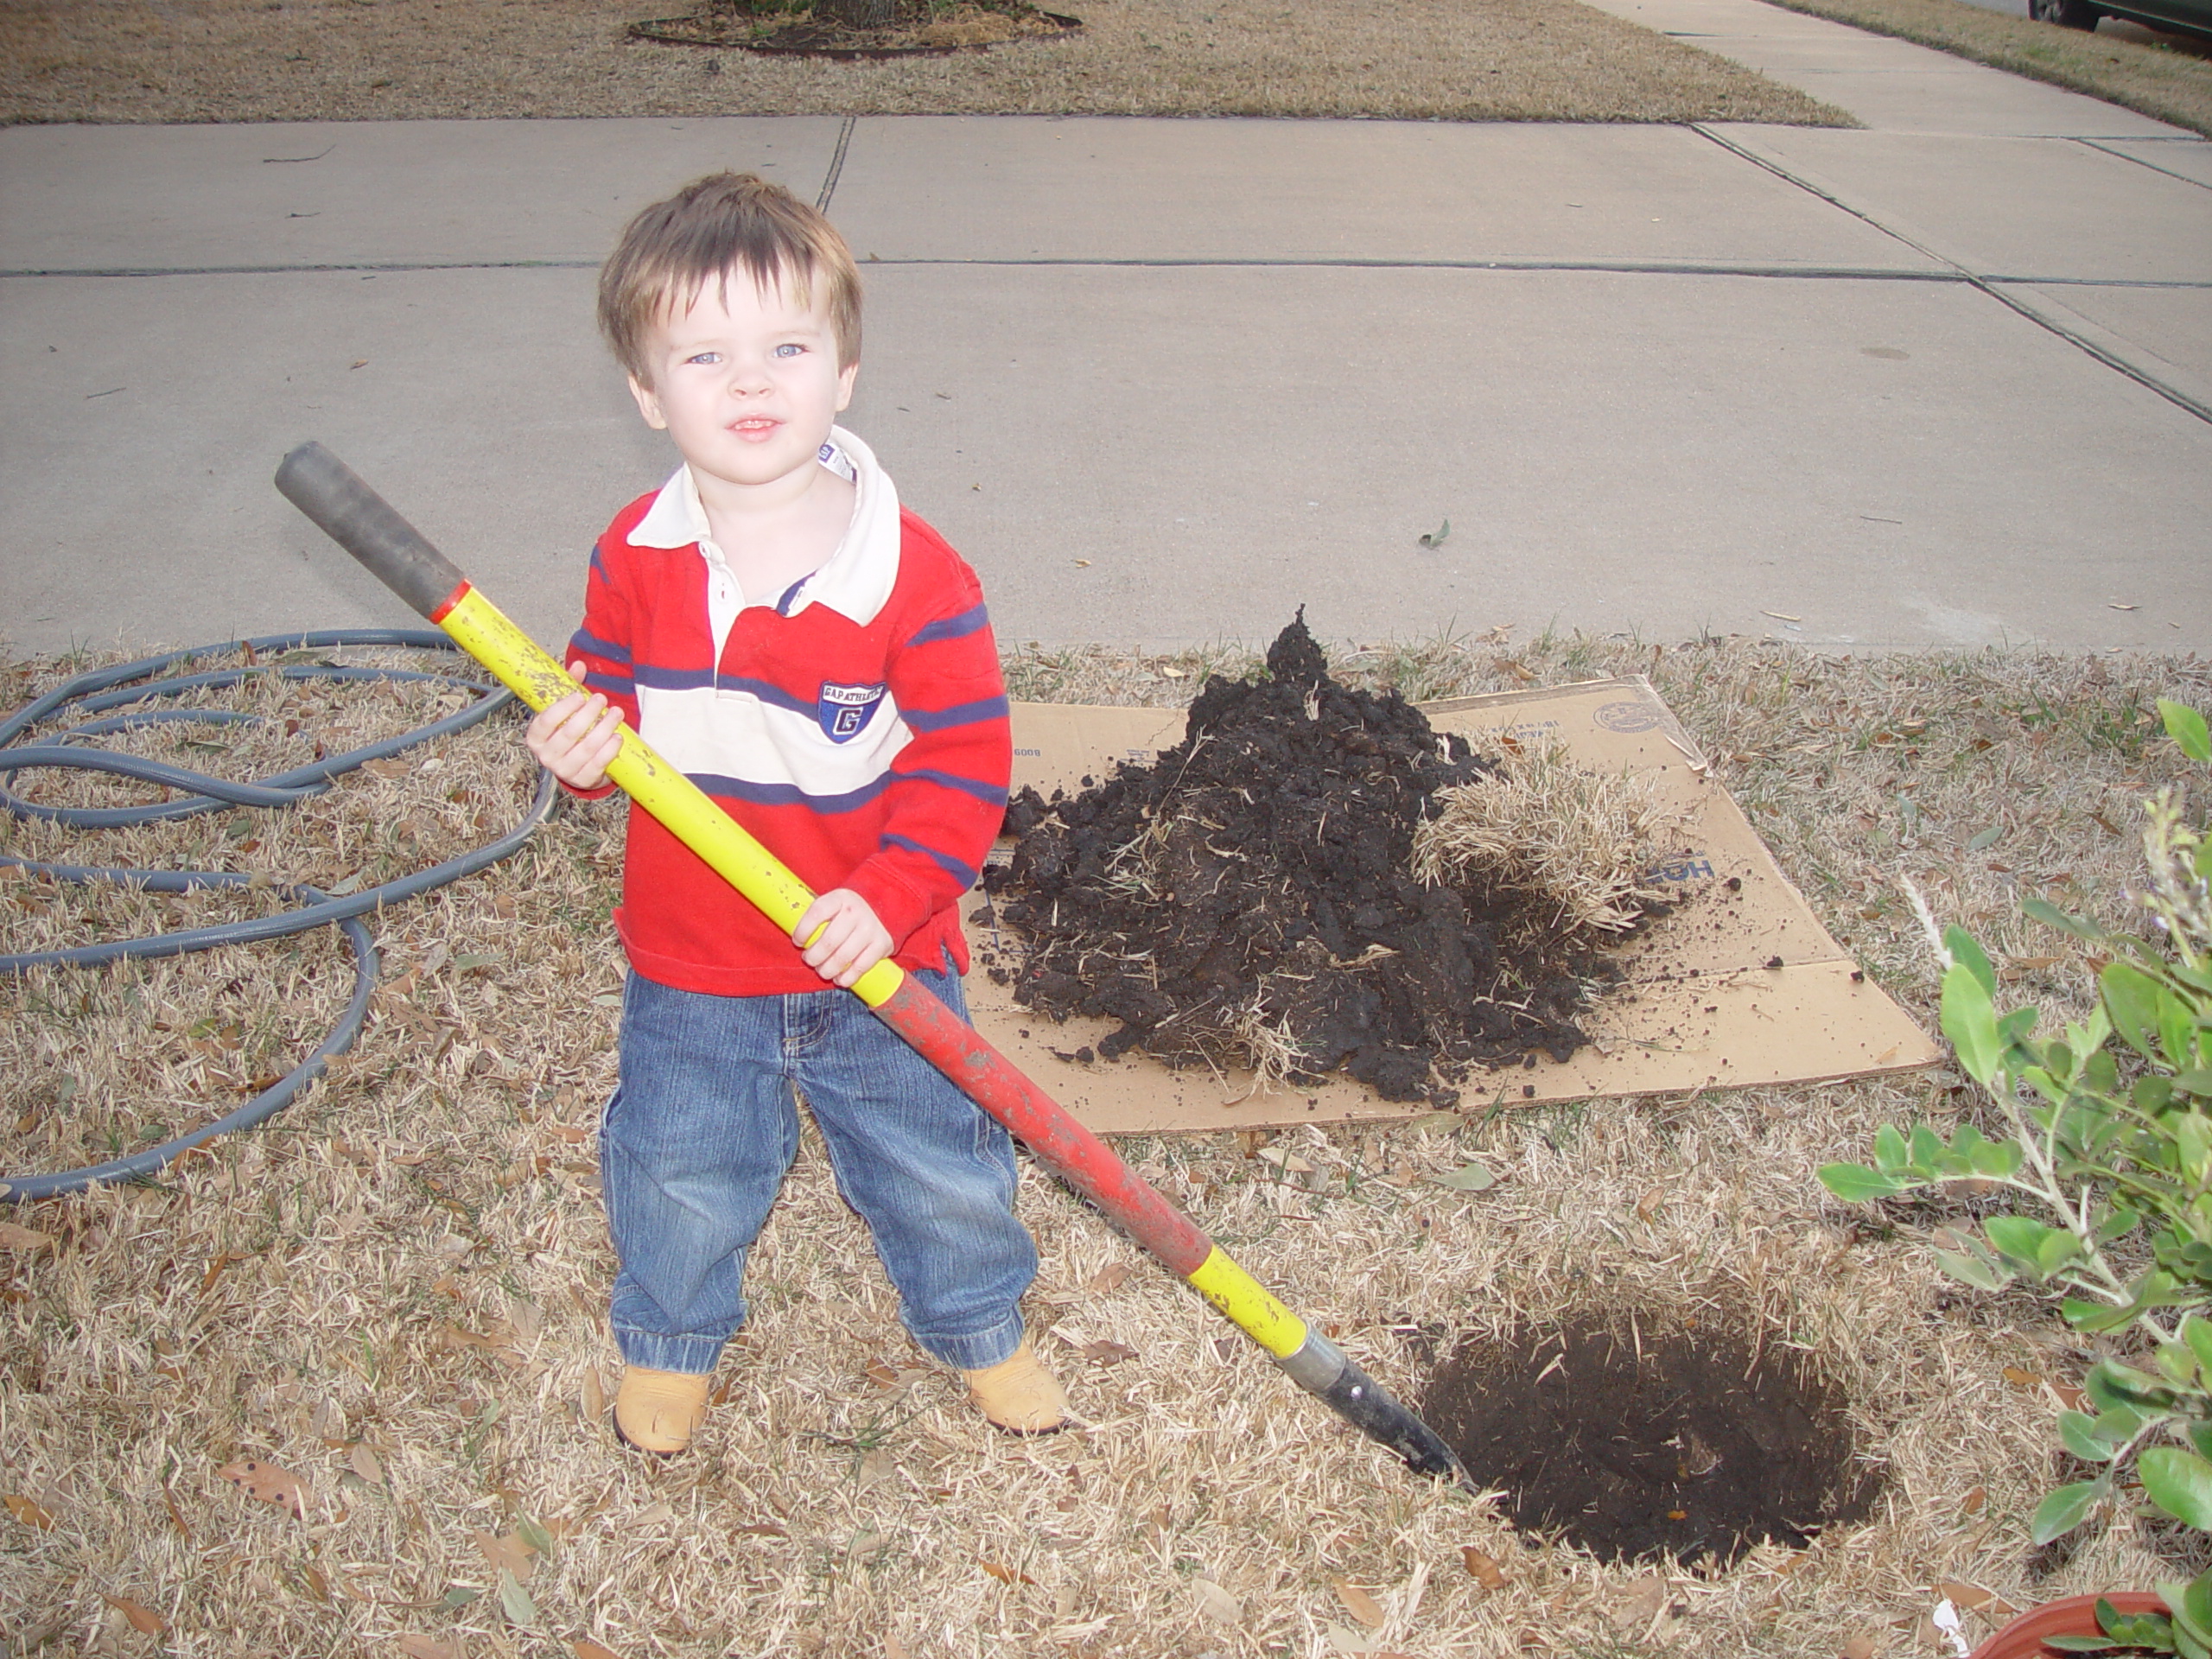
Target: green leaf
{"x":2030,"y":1244}
{"x":2117,"y":1225}
{"x":2132,"y":997}
{"x":2078,"y":1430}
{"x":1973,"y":1270}
{"x":533,"y":1534}
{"x":2191,"y":1605}
{"x":1856,"y":1184}
{"x":2064,"y":1511}
{"x":1927,"y":1150}
{"x":1468,"y":1178}
{"x":459,"y":1595}
{"x":1997,"y":1158}
{"x":2197,"y":1331}
{"x":1890,"y":1152}
{"x":2081,"y":1643}
{"x":1982,"y":838}
{"x":2186,"y":727}
{"x":514,"y":1600}
{"x":2195,"y":1081}
{"x":2178,"y":1482}
{"x":1969,"y":1020}
{"x":2050,"y":916}
{"x":1966,"y":953}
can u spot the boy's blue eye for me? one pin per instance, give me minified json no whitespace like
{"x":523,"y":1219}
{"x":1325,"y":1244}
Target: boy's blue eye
{"x":789,"y":349}
{"x":704,"y":357}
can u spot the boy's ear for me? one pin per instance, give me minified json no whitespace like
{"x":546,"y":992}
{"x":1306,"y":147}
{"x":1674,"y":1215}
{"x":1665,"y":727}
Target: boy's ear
{"x":649,"y":405}
{"x":845,"y":383}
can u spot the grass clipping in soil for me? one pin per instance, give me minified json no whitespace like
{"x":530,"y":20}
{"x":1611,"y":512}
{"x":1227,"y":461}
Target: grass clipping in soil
{"x":181,"y":61}
{"x":1313,"y":881}
{"x":2154,"y":80}
{"x":397,"y":1290}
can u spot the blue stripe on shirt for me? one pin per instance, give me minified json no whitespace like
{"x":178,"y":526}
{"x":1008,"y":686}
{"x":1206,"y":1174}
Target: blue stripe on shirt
{"x":742,"y":789}
{"x":591,"y":642}
{"x":687,"y":679}
{"x":990,"y":794}
{"x":962,"y":714}
{"x":614,"y":685}
{"x":952,"y":627}
{"x":951,"y":867}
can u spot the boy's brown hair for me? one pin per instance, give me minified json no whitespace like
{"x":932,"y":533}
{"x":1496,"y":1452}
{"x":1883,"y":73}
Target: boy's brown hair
{"x":710,"y":227}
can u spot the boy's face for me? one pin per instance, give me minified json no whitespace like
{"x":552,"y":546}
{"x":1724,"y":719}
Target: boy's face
{"x":746,"y":381}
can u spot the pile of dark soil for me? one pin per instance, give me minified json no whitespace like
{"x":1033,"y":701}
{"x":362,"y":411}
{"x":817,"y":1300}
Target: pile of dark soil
{"x":1247,"y":900}
{"x":1641,"y":1439}
{"x":897,"y":28}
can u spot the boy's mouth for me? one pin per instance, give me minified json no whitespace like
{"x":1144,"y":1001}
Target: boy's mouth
{"x":754,"y":426}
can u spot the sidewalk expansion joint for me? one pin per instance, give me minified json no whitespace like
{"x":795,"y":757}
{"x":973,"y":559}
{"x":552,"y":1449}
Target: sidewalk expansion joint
{"x":1991,"y":286}
{"x":1951,"y":273}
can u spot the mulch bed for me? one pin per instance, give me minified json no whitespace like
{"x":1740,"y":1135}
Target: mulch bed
{"x":916,"y":28}
{"x":1248,"y":899}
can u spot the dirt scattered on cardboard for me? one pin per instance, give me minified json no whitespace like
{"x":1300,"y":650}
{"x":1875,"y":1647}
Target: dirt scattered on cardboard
{"x":1642,"y":1437}
{"x":1248,"y":899}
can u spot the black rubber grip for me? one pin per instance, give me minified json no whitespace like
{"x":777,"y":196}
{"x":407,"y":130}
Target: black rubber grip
{"x":363,"y":523}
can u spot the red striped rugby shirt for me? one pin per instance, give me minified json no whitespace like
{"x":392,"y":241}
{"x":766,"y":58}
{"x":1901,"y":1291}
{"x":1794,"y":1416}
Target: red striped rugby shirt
{"x":854,"y":723}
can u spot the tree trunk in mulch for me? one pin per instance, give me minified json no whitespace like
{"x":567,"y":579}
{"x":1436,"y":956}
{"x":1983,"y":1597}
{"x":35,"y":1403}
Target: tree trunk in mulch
{"x":858,"y":13}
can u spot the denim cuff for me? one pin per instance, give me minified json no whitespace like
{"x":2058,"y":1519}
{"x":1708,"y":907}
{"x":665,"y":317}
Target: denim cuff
{"x":977,"y":1350}
{"x":694,"y":1356}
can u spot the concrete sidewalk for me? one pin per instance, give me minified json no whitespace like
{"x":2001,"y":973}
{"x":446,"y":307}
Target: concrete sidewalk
{"x":1945,"y":380}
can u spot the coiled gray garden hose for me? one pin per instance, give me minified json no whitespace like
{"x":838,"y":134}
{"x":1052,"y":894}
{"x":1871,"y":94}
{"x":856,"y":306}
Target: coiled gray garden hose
{"x":132,"y":684}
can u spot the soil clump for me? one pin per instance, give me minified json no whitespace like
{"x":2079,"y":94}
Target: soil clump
{"x":1650,"y":1438}
{"x":1248,"y":899}
{"x":902,"y":28}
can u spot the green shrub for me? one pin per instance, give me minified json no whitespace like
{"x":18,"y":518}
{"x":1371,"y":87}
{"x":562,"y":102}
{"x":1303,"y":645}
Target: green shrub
{"x":2112,"y":1143}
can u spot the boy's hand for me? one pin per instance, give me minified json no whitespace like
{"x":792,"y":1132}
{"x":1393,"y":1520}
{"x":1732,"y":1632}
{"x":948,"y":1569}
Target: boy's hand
{"x":850,"y":942}
{"x":575,"y":738}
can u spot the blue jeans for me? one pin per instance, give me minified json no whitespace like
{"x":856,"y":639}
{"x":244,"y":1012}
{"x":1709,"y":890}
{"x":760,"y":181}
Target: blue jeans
{"x":703,"y":1125}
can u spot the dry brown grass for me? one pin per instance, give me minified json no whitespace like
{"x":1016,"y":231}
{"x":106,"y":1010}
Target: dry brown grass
{"x":1580,"y":842}
{"x":409,"y":60}
{"x":396,"y":1289}
{"x":2159,"y":81}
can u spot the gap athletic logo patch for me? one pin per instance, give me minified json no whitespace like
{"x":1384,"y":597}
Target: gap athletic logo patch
{"x":845,"y":710}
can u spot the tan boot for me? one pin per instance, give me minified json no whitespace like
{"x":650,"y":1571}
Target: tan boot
{"x":660,"y":1411}
{"x":1019,"y":1395}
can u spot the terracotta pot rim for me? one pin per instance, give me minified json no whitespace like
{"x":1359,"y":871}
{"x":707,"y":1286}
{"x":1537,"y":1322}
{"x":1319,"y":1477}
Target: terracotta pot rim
{"x":2023,"y":1638}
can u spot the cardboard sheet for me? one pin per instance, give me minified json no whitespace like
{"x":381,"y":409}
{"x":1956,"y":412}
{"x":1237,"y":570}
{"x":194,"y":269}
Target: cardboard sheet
{"x":1740,"y":985}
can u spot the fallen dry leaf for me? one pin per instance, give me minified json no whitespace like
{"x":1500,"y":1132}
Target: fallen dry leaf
{"x":428,"y":1647}
{"x":1976,"y":1599}
{"x":2020,"y":1379}
{"x":269,"y":1483}
{"x":1972,"y":1503}
{"x":1648,"y":1205}
{"x":507,"y":1552}
{"x":1103,"y":1352}
{"x":894,"y":1648}
{"x":365,"y":1463}
{"x":27,"y":1512}
{"x":1858,"y":1647}
{"x":1361,"y":1605}
{"x":1639,"y":1602}
{"x":1216,"y":1603}
{"x":16,"y":1237}
{"x":144,"y":1619}
{"x":1107,"y":1278}
{"x":1004,"y":1573}
{"x":588,"y":1648}
{"x":1483,"y":1568}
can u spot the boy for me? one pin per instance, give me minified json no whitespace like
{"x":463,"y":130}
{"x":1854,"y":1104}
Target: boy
{"x":819,"y":661}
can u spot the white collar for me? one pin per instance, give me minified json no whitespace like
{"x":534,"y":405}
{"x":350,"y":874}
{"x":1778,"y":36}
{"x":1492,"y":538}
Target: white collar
{"x":855,"y":580}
